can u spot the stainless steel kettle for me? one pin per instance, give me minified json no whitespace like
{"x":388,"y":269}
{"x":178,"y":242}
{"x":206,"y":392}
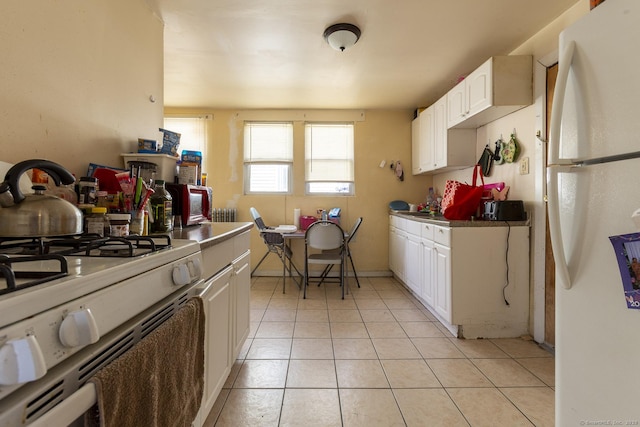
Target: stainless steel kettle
{"x":38,"y":214}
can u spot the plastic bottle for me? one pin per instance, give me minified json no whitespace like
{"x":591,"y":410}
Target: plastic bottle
{"x":161,"y":220}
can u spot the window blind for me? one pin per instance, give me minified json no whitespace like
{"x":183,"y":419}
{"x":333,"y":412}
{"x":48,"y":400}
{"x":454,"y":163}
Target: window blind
{"x":192,"y":130}
{"x":329,"y":152}
{"x":268,"y":142}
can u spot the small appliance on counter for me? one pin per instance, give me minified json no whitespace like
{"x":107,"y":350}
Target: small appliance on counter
{"x":504,"y":210}
{"x":166,"y":166}
{"x":192,"y":202}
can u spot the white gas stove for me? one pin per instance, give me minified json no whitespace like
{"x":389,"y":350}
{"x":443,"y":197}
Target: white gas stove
{"x":50,"y":325}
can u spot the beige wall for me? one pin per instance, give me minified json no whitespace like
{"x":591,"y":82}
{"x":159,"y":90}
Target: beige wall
{"x":383,"y":135}
{"x":76,"y":77}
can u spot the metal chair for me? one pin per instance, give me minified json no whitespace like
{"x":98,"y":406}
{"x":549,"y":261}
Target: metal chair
{"x":352,"y":234}
{"x":328,"y":237}
{"x":275,"y":244}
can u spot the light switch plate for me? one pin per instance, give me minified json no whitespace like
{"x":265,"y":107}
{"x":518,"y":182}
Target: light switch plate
{"x":524,"y":166}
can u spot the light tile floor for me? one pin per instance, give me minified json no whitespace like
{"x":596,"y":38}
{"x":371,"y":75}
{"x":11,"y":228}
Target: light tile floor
{"x":376,"y":358}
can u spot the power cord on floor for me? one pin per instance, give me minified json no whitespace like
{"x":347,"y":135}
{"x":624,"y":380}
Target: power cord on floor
{"x":506,"y":260}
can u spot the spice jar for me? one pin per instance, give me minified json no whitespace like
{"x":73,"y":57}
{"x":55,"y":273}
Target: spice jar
{"x":96,"y":222}
{"x":119,"y":224}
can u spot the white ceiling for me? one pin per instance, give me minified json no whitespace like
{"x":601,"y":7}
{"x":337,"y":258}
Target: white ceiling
{"x":271,"y":53}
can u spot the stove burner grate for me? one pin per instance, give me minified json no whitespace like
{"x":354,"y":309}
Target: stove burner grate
{"x":39,"y":277}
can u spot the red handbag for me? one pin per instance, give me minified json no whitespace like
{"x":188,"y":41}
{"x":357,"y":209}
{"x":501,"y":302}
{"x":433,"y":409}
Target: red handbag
{"x":460,"y":200}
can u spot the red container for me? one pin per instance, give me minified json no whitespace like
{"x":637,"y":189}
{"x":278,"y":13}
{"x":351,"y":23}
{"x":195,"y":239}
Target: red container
{"x":306,"y":221}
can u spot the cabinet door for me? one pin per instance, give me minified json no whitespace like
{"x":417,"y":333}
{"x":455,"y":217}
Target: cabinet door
{"x":392,"y":248}
{"x":396,"y":256}
{"x":396,"y":252}
{"x":479,"y":89}
{"x":456,"y":104}
{"x":216,"y":297}
{"x":241,"y":286}
{"x":415,"y":146}
{"x":440,"y":134}
{"x":427,"y":291}
{"x":412,"y":263}
{"x":422,"y":142}
{"x":442,"y":276}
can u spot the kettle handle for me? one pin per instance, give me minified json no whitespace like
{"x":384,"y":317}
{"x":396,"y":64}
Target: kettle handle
{"x":55,"y":171}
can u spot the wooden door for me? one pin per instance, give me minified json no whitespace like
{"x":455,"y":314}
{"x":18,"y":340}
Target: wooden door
{"x":550,"y":265}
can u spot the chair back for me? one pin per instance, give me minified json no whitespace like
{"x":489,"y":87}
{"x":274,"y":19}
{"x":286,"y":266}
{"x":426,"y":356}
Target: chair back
{"x":324,"y":235}
{"x":354,"y":229}
{"x":257,"y":219}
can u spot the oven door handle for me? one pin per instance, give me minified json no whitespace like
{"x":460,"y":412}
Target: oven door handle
{"x":70,"y":408}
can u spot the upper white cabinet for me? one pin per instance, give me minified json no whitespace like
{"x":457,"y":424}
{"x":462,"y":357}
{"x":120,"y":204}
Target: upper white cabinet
{"x":422,"y":142}
{"x":500,"y":86}
{"x":437,"y":149}
{"x":452,"y":148}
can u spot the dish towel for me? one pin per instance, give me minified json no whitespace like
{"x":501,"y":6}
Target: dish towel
{"x":159,"y":382}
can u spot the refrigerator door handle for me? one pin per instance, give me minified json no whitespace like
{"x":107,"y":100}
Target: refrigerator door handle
{"x":555,"y":232}
{"x":564,"y":65}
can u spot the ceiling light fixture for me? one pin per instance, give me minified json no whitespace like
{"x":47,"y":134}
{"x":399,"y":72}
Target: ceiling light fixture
{"x":342,"y":36}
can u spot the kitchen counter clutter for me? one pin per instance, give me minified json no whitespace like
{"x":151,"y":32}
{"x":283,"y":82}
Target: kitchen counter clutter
{"x":472,"y":275}
{"x":225,"y":293}
{"x":441,"y":220}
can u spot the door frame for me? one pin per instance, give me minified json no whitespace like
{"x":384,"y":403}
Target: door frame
{"x":540,"y":190}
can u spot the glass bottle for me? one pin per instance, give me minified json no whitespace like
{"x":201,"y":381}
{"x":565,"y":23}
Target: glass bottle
{"x":161,"y":220}
{"x":96,"y":222}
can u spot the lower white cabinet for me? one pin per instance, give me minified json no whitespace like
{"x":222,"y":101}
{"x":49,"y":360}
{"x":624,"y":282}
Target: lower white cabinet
{"x":412,"y":262}
{"x":241,"y":291}
{"x":428,"y":288}
{"x":226,"y":299}
{"x":441,"y":264}
{"x":216,"y":297}
{"x":397,"y":238}
{"x":474,"y":279}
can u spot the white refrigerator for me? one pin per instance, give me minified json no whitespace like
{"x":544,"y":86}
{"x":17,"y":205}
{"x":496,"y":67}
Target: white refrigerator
{"x":593,"y":186}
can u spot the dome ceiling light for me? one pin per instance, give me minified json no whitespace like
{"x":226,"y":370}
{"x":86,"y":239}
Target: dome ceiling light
{"x":342,"y":36}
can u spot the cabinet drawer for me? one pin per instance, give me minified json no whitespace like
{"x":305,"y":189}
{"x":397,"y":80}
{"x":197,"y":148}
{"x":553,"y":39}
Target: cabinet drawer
{"x":442,"y":235}
{"x":413,"y":227}
{"x":427,"y":231}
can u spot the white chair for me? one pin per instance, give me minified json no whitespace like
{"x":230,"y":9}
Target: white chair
{"x":352,"y":234}
{"x":324,"y":236}
{"x":275,"y":244}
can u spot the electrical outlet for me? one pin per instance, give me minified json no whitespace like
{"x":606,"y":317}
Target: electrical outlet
{"x":524,"y":166}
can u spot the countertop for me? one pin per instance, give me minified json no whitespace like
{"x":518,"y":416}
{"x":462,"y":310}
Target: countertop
{"x":211,"y":233}
{"x":442,"y":221}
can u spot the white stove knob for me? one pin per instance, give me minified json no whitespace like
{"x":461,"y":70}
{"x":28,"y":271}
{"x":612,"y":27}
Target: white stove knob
{"x":78,"y":328}
{"x":181,"y":275}
{"x":195,"y":267}
{"x":21,"y":361}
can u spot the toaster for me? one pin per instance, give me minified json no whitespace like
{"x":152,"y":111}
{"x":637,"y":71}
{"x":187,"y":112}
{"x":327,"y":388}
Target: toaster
{"x":507,"y":210}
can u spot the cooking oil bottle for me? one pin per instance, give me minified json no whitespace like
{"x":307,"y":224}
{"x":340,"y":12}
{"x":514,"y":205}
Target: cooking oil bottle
{"x":161,"y":219}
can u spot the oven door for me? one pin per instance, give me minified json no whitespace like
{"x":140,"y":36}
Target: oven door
{"x":64,"y":395}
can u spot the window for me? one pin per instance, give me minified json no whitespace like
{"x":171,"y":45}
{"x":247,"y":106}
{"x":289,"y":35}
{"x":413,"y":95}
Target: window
{"x":192,"y":130}
{"x":268,"y":157}
{"x":329,"y":163}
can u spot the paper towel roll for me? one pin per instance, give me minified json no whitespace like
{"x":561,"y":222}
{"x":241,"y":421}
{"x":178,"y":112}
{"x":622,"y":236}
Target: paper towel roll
{"x":296,"y":218}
